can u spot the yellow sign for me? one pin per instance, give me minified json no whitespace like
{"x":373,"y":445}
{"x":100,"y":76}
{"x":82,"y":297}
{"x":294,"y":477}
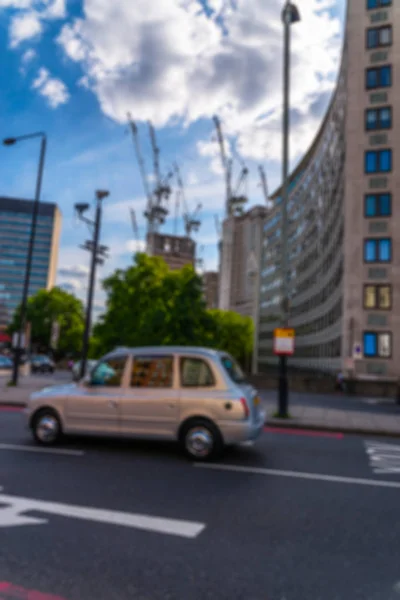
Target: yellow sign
{"x":284,"y":341}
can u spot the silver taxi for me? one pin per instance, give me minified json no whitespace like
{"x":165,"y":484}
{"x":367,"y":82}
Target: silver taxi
{"x":196,"y":396}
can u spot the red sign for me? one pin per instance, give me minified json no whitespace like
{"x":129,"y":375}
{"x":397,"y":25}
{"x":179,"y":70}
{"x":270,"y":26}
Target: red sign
{"x":8,"y":591}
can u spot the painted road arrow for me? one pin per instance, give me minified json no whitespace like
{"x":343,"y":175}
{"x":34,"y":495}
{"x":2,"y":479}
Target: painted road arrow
{"x":10,"y":515}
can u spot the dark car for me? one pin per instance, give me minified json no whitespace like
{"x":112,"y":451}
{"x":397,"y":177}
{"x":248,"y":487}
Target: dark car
{"x":6,"y":363}
{"x":41,"y":363}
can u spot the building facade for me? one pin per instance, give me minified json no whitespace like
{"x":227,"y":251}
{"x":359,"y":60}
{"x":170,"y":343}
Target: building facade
{"x":344,"y":234}
{"x":210,"y":287}
{"x":15,"y":226}
{"x":177,"y":251}
{"x":240,"y":250}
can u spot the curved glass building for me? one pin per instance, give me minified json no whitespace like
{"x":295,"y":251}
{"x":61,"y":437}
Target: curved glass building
{"x":343,"y":238}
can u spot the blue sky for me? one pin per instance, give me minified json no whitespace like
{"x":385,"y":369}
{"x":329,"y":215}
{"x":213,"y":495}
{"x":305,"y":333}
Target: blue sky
{"x":75,"y":68}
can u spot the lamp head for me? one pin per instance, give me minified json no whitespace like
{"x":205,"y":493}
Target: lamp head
{"x":81,"y":207}
{"x":100,"y":194}
{"x":9,"y":141}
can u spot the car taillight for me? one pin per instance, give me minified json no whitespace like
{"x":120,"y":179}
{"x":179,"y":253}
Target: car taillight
{"x":243,"y":402}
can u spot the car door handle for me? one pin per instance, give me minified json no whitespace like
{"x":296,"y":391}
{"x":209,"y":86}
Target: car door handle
{"x":113,"y":403}
{"x":172,"y":404}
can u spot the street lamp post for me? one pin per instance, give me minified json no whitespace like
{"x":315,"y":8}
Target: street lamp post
{"x":98,"y":253}
{"x":35,"y":213}
{"x":290,"y":15}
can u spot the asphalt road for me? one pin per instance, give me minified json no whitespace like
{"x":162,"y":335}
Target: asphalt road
{"x":296,"y":517}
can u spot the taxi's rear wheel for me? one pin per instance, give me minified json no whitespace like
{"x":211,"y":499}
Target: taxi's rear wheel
{"x":46,"y":427}
{"x":201,"y":440}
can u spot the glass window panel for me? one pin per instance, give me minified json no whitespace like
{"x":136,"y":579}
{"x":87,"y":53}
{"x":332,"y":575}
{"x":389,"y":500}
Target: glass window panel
{"x":385,"y":297}
{"x":372,"y":78}
{"x":385,"y":118}
{"x":108,"y":373}
{"x":370,"y":344}
{"x":385,"y":76}
{"x":372,"y":38}
{"x":385,"y":251}
{"x":195,"y":372}
{"x":384,"y":345}
{"x":371,"y":119}
{"x":385,"y":208}
{"x":372,"y":4}
{"x":371,"y":162}
{"x":385,"y":161}
{"x":370,"y":250}
{"x":370,"y":206}
{"x":369,"y":296}
{"x":385,"y":36}
{"x":152,"y":372}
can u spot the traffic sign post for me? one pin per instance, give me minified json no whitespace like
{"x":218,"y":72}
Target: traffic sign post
{"x":284,"y":341}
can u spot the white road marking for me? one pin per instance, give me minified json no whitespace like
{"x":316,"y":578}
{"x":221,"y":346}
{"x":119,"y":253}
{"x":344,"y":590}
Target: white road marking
{"x":11,"y":516}
{"x":383,"y":458}
{"x":42,"y":450}
{"x":301,"y":475}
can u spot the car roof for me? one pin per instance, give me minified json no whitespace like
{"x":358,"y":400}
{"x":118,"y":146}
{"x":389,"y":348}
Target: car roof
{"x":195,"y":350}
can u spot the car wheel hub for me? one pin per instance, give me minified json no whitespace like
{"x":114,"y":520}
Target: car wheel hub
{"x":199,"y":442}
{"x":47,"y":428}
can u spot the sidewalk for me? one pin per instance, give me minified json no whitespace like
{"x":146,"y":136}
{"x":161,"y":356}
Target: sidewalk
{"x":18,"y":396}
{"x":302,"y":416}
{"x":327,"y":419}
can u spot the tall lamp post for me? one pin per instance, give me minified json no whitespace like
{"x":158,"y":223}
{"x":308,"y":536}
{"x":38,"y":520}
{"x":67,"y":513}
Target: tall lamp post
{"x":98,"y":254}
{"x":290,"y":15}
{"x":10,"y":142}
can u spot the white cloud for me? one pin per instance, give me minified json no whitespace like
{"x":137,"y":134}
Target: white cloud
{"x":28,"y":56}
{"x":27,"y":23}
{"x":51,"y":88}
{"x":136,"y":246}
{"x":168,"y":60}
{"x":24,"y":27}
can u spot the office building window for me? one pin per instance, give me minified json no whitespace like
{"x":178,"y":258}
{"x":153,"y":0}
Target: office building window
{"x":378,"y":118}
{"x":378,"y":250}
{"x":378,"y":205}
{"x":377,"y":77}
{"x":371,"y":4}
{"x":377,"y":297}
{"x":377,"y":345}
{"x":378,"y":161}
{"x":377,"y":37}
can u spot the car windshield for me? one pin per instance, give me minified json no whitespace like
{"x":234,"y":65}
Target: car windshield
{"x":233,"y":369}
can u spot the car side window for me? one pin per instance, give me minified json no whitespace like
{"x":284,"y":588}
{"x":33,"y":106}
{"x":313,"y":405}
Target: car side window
{"x":109,"y":372}
{"x":195,"y":372}
{"x":152,"y":372}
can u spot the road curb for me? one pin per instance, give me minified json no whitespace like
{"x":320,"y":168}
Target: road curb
{"x":293,"y":424}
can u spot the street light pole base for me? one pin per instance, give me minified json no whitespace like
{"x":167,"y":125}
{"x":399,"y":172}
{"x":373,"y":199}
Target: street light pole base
{"x":283,"y":389}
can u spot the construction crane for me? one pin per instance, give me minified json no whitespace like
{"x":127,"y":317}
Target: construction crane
{"x":235,"y":200}
{"x":156,"y":211}
{"x":264,"y":183}
{"x":135,"y":226}
{"x":162,"y":190}
{"x":191,"y":221}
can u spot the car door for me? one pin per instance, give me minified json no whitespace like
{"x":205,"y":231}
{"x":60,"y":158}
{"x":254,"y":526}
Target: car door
{"x":151,"y":406}
{"x":95,"y":406}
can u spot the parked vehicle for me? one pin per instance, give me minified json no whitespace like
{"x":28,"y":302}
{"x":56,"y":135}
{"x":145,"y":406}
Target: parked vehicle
{"x":6,"y":364}
{"x":196,"y":396}
{"x":40,"y":363}
{"x":76,"y":369}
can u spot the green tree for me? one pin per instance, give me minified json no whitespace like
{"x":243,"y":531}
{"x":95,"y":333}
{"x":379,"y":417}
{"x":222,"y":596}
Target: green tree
{"x":148,"y":304}
{"x":46,"y":307}
{"x":233,"y":333}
